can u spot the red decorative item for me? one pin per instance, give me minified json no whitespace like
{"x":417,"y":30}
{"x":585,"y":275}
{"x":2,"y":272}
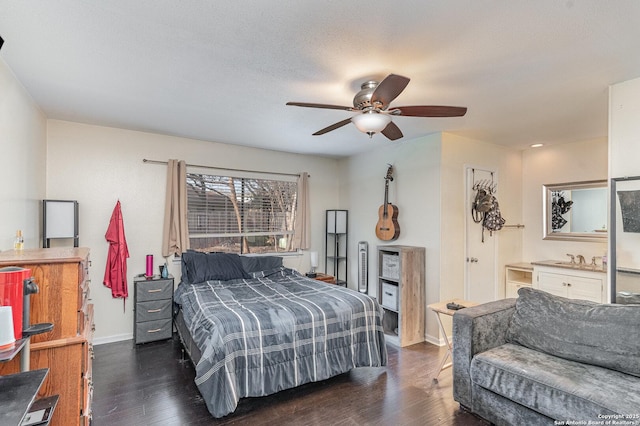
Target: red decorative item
{"x":115,"y":274}
{"x":12,"y":293}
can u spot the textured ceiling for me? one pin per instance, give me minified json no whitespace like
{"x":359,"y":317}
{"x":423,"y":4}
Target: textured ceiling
{"x":529,"y":71}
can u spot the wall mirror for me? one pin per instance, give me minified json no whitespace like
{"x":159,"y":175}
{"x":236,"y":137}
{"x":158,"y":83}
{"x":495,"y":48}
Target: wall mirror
{"x":575,"y":211}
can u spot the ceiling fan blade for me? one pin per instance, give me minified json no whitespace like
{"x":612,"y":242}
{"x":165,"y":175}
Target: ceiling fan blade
{"x":324,"y":106}
{"x":389,"y":89}
{"x":429,"y":111}
{"x":392,"y":131}
{"x":332,"y":127}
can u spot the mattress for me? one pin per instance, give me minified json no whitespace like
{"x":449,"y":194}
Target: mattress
{"x":261,"y":335}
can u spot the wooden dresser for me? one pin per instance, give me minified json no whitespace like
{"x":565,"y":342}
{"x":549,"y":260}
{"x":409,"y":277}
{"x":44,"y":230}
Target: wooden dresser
{"x":62,"y":275}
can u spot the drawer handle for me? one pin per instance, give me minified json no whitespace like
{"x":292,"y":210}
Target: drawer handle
{"x":388,"y":294}
{"x":154,"y":331}
{"x":151,"y":311}
{"x":157,"y":290}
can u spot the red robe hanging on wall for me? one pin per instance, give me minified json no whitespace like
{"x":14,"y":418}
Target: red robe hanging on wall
{"x":115,"y":274}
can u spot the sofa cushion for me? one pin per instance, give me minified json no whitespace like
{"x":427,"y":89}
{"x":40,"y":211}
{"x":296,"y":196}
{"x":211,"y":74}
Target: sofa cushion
{"x":579,"y":330}
{"x":555,"y":387}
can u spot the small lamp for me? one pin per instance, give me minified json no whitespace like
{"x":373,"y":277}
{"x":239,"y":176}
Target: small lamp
{"x":313,"y":257}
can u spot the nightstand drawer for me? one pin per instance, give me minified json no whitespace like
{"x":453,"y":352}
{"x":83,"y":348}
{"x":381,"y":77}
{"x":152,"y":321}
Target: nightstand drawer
{"x":154,"y":290}
{"x":153,"y":330}
{"x":153,"y":310}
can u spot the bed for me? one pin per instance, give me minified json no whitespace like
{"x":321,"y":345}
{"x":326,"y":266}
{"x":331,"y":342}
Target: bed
{"x":253,"y":327}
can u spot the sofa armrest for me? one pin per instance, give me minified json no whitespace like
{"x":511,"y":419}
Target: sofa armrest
{"x":476,"y":329}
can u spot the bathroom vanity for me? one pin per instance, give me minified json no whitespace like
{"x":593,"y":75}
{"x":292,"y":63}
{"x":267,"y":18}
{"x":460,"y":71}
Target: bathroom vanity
{"x":517,"y":275}
{"x":571,"y":280}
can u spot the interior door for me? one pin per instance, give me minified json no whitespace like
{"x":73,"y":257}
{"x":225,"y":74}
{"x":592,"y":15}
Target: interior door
{"x":480,"y":260}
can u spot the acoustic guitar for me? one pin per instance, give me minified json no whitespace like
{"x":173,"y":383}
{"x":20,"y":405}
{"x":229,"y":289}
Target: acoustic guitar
{"x":387,"y":228}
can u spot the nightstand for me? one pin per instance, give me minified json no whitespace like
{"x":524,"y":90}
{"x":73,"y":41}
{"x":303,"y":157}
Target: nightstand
{"x":153,"y":301}
{"x":325,"y":278}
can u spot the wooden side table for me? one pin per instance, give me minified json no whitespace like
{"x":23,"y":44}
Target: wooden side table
{"x":440,"y":308}
{"x":325,"y":278}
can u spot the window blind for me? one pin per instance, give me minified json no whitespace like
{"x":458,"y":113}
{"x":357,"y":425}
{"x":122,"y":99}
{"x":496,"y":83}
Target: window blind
{"x":239,"y":214}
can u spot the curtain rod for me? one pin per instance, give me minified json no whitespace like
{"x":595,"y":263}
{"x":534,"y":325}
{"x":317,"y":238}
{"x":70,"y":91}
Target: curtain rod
{"x":144,"y":160}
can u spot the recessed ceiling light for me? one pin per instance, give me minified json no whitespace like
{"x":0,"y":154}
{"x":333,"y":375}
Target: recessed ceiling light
{"x":536,"y":145}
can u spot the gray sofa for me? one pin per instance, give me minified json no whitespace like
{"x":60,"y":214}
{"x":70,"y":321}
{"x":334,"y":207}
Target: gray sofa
{"x":547,"y":360}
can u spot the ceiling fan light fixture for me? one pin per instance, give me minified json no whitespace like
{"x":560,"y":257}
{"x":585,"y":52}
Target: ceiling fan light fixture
{"x":371,"y":122}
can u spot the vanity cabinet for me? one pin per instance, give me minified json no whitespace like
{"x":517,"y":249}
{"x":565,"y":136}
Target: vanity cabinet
{"x":517,"y":275}
{"x":571,"y":283}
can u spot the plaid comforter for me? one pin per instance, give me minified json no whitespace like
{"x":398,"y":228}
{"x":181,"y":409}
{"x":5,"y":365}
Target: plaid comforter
{"x":263,"y":335}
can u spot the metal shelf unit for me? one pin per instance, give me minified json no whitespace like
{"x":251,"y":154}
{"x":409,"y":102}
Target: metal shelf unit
{"x":335,"y":260}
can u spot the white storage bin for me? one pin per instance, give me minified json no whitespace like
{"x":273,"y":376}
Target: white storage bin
{"x":390,"y":296}
{"x":391,"y":266}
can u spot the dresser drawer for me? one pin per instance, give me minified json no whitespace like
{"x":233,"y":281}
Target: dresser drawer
{"x":154,"y":290}
{"x":153,"y":330}
{"x":153,"y":310}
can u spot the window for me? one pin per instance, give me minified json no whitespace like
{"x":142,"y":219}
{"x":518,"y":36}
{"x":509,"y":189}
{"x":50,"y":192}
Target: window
{"x":240,"y":215}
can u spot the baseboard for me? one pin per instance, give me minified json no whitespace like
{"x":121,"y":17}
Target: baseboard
{"x":112,"y":339}
{"x":434,"y":340}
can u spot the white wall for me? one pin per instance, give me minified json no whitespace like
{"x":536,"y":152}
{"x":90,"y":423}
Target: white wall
{"x":428,"y":189}
{"x":458,"y":153}
{"x":624,"y":129}
{"x":624,"y":151}
{"x":23,"y":171}
{"x":415,"y":190}
{"x":579,"y":161}
{"x":99,"y":165}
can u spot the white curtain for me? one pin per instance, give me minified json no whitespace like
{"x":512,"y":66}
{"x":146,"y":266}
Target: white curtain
{"x":302,"y":235}
{"x":175,"y":238}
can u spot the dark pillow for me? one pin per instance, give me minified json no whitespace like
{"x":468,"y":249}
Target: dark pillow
{"x":199,"y":267}
{"x":260,"y":263}
{"x":579,"y":330}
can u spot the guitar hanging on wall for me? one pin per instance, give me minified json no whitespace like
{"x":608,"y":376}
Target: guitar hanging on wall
{"x":387,"y":228}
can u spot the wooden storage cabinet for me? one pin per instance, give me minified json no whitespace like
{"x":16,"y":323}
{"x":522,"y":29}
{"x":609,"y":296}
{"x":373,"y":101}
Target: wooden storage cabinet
{"x":153,"y":302}
{"x":574,"y":284}
{"x":517,"y":275}
{"x":62,"y":276}
{"x":401,"y":293}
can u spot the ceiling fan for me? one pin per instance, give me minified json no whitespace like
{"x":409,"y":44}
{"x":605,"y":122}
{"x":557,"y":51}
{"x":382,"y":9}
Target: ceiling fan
{"x":372,"y":104}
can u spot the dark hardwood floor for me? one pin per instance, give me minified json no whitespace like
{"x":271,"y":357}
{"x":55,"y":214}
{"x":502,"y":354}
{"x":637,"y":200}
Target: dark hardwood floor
{"x":151,"y":384}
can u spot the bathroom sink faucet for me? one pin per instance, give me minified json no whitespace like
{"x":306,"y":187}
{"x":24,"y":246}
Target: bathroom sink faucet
{"x":581,"y":260}
{"x":573,"y":258}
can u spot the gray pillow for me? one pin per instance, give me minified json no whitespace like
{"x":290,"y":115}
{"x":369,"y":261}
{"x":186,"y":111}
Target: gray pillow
{"x":199,"y":267}
{"x":260,"y":263}
{"x":579,"y":330}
